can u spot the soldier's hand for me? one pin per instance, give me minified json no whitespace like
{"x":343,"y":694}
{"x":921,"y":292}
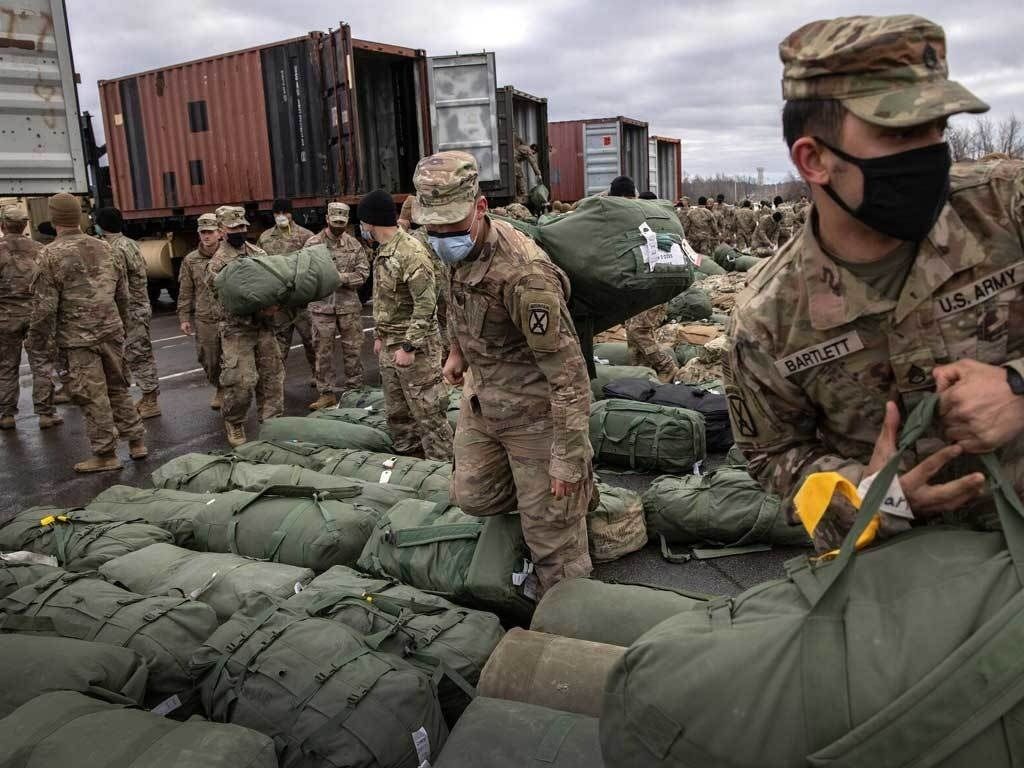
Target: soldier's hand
{"x":454,"y":368}
{"x":404,"y":359}
{"x":378,"y":345}
{"x":562,"y":490}
{"x":186,"y":327}
{"x":979,"y":410}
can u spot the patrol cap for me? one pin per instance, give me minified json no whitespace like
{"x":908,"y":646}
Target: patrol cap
{"x":231,"y":216}
{"x":12,"y":214}
{"x":890,"y":71}
{"x":207,"y":222}
{"x":446,"y":188}
{"x":337,"y":213}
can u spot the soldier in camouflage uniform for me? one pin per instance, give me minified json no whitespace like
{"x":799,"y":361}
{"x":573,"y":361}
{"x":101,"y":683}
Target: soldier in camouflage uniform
{"x":82,"y":301}
{"x":522,"y":441}
{"x":524,"y":154}
{"x":284,"y":237}
{"x":341,"y":312}
{"x":138,"y":343}
{"x":766,"y":235}
{"x":250,"y":358}
{"x":643,"y":349}
{"x":701,"y":228}
{"x":19,"y":265}
{"x":895,"y":290}
{"x":407,"y":344}
{"x":199,"y":312}
{"x":441,"y":277}
{"x":746,"y":223}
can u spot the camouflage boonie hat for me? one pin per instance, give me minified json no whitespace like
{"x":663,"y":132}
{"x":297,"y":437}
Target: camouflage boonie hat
{"x":887,"y":70}
{"x":446,"y":188}
{"x":231,"y":216}
{"x":207,"y":222}
{"x":337,"y":213}
{"x":14,"y":215}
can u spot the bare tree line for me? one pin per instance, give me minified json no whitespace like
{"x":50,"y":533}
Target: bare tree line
{"x":972,"y":141}
{"x":736,"y":188}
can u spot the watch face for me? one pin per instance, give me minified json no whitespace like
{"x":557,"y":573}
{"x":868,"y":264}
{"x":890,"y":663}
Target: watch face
{"x":1015,"y":380}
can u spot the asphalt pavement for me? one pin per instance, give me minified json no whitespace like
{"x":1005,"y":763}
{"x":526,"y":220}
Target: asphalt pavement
{"x":36,"y":466}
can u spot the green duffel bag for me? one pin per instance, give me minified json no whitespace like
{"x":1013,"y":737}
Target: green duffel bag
{"x":686,"y":352}
{"x":646,"y":437}
{"x":222,"y":581}
{"x":691,"y":305}
{"x":362,"y":397}
{"x":725,"y":508}
{"x":480,"y":562}
{"x":211,"y":473}
{"x":614,"y":352}
{"x":609,"y":373}
{"x":905,"y":653}
{"x":80,"y":539}
{"x":731,"y":260}
{"x":454,"y":408}
{"x":707,"y":268}
{"x":319,"y":690}
{"x":611,"y":613}
{"x":69,"y":729}
{"x":14,"y":576}
{"x":174,"y":511}
{"x":165,"y":631}
{"x":31,"y":666}
{"x":430,"y":479}
{"x":494,"y":733}
{"x":284,"y":452}
{"x":251,"y":283}
{"x":424,"y":629}
{"x":287,"y":524}
{"x":616,"y":527}
{"x":328,"y":432}
{"x":373,"y":418}
{"x":735,"y":457}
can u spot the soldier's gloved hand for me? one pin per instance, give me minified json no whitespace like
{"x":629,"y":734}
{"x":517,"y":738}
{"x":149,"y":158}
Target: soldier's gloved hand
{"x":979,"y":410}
{"x":562,"y":490}
{"x":186,"y":327}
{"x":454,"y":368}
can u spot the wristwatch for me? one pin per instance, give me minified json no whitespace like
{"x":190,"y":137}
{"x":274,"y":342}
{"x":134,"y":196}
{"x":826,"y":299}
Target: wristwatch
{"x":1015,"y":380}
{"x":408,"y":348}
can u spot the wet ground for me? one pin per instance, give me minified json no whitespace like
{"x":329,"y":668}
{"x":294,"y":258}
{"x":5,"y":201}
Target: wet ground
{"x":35,"y":466}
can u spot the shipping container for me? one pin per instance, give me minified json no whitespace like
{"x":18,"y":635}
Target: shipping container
{"x":42,"y":151}
{"x":666,"y":171}
{"x":529,"y":124}
{"x":586,"y":155}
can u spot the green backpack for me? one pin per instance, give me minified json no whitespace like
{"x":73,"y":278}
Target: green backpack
{"x":609,"y":373}
{"x":306,"y":455}
{"x":287,"y":524}
{"x":222,"y":581}
{"x":66,"y":728}
{"x":724,"y":509}
{"x":616,"y":526}
{"x":429,"y":479}
{"x":319,"y":690}
{"x":646,"y":437}
{"x":494,"y":733}
{"x":164,"y":630}
{"x":80,"y":539}
{"x":251,"y":283}
{"x":907,"y":653}
{"x":327,"y":432}
{"x":173,"y":511}
{"x":424,"y":629}
{"x":473,"y":561}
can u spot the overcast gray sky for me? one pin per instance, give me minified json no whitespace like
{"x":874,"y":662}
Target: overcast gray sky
{"x":705,"y":72}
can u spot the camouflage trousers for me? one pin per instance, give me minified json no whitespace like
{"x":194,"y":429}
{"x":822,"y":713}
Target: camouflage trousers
{"x":350,"y":330}
{"x":251,"y":360}
{"x":14,"y":336}
{"x":705,"y":246}
{"x":288,"y":320}
{"x":98,"y":384}
{"x":501,"y":470}
{"x":742,"y":241}
{"x":208,"y":348}
{"x":522,"y":193}
{"x":643,"y":349}
{"x":138,"y":355}
{"x":763,"y":252}
{"x":416,"y":400}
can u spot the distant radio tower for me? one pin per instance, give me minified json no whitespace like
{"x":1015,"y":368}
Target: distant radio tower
{"x":760,"y":177}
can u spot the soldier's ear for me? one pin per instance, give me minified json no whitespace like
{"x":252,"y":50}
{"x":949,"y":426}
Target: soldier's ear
{"x":808,"y":157}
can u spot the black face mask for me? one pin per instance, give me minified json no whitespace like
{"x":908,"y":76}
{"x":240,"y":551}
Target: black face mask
{"x":903,"y":193}
{"x":236,"y":239}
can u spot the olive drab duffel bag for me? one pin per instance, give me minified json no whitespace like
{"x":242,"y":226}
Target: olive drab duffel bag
{"x":292,"y":452}
{"x":689,"y":306}
{"x":14,"y":575}
{"x":646,"y":437}
{"x":373,"y":418}
{"x":612,"y":353}
{"x":251,"y":283}
{"x":481,"y":562}
{"x":80,"y":539}
{"x":616,"y":526}
{"x":363,"y":397}
{"x":165,"y":631}
{"x":69,"y":729}
{"x":327,"y":432}
{"x":174,"y":511}
{"x":319,"y":690}
{"x":429,"y":479}
{"x":287,"y":524}
{"x":608,"y":373}
{"x":731,"y":260}
{"x":906,"y":653}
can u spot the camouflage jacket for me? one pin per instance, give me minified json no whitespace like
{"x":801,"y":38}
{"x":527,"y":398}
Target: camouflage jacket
{"x":19,"y":265}
{"x":509,"y":316}
{"x":226,"y":253}
{"x":746,"y":222}
{"x":788,"y":224}
{"x":766,"y":233}
{"x":195,"y":296}
{"x":404,"y":292}
{"x":815,"y":354}
{"x":81,"y":295}
{"x":129,"y":259}
{"x":353,"y":266}
{"x":275,"y":241}
{"x":700,"y":224}
{"x":525,"y":153}
{"x":442,"y":276}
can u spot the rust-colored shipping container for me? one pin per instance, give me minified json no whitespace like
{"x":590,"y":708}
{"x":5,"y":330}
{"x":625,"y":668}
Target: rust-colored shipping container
{"x":587,"y":154}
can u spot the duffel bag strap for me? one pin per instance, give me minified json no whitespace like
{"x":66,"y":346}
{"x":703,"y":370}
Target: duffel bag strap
{"x":669,"y":555}
{"x":188,"y":477}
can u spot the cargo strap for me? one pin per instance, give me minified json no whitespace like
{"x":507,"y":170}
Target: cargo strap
{"x":239,"y":641}
{"x":554,"y":736}
{"x":632,"y":433}
{"x":433,"y":534}
{"x":183,"y":480}
{"x":669,"y":555}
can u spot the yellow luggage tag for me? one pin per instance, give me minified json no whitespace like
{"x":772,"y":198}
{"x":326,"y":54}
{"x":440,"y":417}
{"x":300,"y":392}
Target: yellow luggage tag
{"x":814,"y":497}
{"x":51,"y":519}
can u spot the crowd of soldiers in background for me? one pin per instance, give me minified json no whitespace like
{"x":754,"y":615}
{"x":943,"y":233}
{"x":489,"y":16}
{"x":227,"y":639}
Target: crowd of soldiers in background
{"x":758,"y":231}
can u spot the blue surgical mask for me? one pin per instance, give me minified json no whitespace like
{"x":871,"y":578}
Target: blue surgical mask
{"x":453,"y":247}
{"x":367,"y":234}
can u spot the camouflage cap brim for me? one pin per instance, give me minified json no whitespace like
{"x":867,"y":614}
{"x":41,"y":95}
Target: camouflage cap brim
{"x":337,"y":219}
{"x":438,"y":215}
{"x":916,"y":104}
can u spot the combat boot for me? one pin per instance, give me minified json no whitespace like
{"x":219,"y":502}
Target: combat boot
{"x":235,"y":433}
{"x":327,"y":400}
{"x":62,"y":397}
{"x":137,"y":449}
{"x":7,"y":422}
{"x":218,"y":400}
{"x":46,"y":422}
{"x":148,"y":407}
{"x":104,"y":462}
